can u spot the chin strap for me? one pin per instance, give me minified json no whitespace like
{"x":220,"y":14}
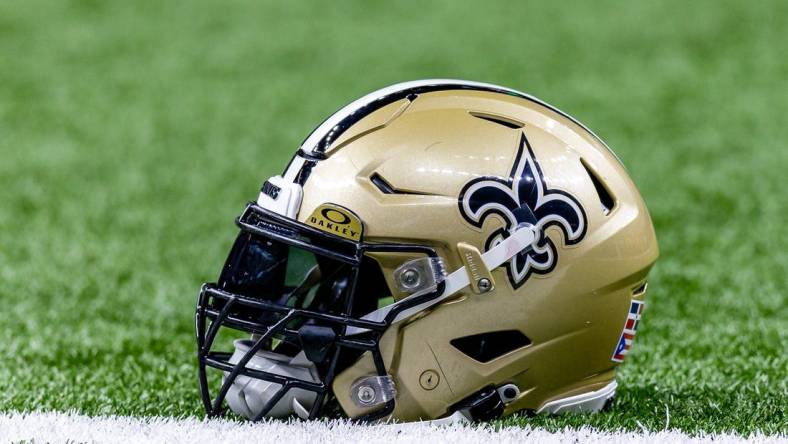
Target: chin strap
{"x":521,"y":240}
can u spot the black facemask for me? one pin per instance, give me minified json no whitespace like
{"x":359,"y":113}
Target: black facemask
{"x":296,"y":290}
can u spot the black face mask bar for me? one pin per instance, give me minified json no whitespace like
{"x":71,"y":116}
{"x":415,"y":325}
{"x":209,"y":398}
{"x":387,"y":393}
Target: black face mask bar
{"x":328,"y":327}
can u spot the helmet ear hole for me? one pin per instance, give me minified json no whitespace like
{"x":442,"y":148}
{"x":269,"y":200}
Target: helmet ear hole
{"x":485,"y":347}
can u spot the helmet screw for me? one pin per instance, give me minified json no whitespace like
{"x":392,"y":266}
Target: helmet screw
{"x":366,"y":394}
{"x":484,"y":285}
{"x":410,"y":278}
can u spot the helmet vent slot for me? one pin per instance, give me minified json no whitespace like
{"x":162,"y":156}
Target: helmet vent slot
{"x":640,"y":289}
{"x":485,"y":347}
{"x":382,"y":185}
{"x":386,"y":187}
{"x":606,"y":199}
{"x":509,"y":123}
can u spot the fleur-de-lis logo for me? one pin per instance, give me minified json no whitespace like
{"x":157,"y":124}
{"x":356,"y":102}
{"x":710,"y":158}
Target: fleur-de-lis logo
{"x":523,"y":197}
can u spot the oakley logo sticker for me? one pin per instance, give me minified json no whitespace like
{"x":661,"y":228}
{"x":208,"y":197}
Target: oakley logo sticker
{"x":524,"y":197}
{"x":336,"y":220}
{"x":335,"y":216}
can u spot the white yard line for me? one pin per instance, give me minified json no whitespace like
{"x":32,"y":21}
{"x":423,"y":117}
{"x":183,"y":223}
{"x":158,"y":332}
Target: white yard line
{"x":65,"y":427}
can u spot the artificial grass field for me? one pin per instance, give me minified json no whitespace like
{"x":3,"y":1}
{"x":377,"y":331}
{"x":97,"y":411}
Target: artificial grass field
{"x":132,"y":133}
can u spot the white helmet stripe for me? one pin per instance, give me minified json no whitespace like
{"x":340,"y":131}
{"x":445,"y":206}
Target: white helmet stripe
{"x":331,"y":126}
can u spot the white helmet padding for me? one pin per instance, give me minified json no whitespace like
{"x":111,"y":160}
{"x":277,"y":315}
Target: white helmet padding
{"x":247,"y":396}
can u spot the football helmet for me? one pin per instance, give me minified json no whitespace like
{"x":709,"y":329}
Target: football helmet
{"x":436,"y":249}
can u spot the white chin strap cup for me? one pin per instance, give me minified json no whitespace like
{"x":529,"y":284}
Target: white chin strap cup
{"x":521,"y":240}
{"x":247,"y":396}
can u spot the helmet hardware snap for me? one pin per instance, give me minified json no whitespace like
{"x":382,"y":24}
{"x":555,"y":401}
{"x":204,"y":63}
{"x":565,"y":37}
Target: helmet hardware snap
{"x":371,"y":391}
{"x":419,"y":274}
{"x":479,"y":275}
{"x":366,"y":394}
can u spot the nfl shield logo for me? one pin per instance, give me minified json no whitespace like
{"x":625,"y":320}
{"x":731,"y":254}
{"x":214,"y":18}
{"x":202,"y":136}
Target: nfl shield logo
{"x":628,"y":335}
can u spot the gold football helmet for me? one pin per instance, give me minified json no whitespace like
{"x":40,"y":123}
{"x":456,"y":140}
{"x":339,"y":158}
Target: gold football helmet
{"x":435,"y":250}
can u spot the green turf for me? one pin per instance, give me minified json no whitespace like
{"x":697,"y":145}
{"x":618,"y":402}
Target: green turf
{"x":131,"y":134}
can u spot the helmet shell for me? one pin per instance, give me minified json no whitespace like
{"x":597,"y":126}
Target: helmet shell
{"x":403,"y":165}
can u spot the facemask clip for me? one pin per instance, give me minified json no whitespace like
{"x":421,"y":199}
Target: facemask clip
{"x":419,"y":274}
{"x":371,"y":391}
